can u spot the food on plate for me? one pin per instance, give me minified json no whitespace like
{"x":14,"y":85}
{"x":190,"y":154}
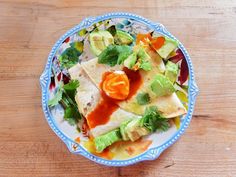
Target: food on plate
{"x":131,"y":88}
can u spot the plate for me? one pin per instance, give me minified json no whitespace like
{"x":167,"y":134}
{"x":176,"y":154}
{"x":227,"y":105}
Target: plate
{"x":153,"y":145}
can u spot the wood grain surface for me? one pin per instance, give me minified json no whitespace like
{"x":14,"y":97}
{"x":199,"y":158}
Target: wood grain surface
{"x":28,"y":30}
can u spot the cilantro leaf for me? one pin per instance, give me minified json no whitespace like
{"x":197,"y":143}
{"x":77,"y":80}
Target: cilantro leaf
{"x":70,"y":89}
{"x":124,"y":52}
{"x":72,"y":85}
{"x":66,"y":96}
{"x":72,"y":115}
{"x":114,"y":54}
{"x":55,"y":100}
{"x":153,"y":121}
{"x":143,"y":98}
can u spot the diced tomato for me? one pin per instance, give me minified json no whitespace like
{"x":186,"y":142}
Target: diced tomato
{"x":145,"y":38}
{"x":158,"y":42}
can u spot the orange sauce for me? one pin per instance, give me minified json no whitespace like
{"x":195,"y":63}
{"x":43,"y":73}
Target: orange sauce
{"x":144,"y":38}
{"x":128,"y":149}
{"x":106,"y":154}
{"x":158,"y":42}
{"x":77,"y":140}
{"x":101,"y":114}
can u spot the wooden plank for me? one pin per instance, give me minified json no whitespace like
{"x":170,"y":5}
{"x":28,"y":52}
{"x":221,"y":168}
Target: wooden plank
{"x":28,"y":30}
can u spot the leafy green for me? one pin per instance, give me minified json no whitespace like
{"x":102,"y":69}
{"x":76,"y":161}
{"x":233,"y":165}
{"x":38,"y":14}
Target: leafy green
{"x":72,"y":85}
{"x":125,"y":51}
{"x":101,"y":142}
{"x":57,"y":97}
{"x":114,"y":54}
{"x":153,"y":121}
{"x":72,"y":115}
{"x":143,"y":98}
{"x":69,"y":57}
{"x":66,"y":96}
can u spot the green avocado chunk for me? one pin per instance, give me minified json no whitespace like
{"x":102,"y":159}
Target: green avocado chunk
{"x":171,"y":71}
{"x":135,"y":130}
{"x":144,"y":59}
{"x":122,"y":37}
{"x":103,"y":141}
{"x":131,"y":60}
{"x":162,"y":86}
{"x":143,"y":54}
{"x":99,"y":40}
{"x":167,"y":48}
{"x":122,"y":130}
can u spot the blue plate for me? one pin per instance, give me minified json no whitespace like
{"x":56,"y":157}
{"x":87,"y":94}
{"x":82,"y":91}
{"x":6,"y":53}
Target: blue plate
{"x":67,"y":133}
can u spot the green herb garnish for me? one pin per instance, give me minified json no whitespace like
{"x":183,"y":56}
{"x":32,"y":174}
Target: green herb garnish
{"x":153,"y":120}
{"x":143,"y":98}
{"x":114,"y":54}
{"x":66,"y":96}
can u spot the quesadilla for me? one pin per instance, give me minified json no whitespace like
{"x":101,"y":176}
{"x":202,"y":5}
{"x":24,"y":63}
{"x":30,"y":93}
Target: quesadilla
{"x":89,"y":99}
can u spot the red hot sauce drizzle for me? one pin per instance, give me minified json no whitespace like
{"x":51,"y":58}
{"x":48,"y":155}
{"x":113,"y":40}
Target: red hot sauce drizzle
{"x":101,"y":114}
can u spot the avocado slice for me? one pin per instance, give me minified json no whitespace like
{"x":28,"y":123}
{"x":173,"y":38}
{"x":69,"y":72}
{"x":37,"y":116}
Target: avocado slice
{"x":171,"y":71}
{"x":103,"y":141}
{"x":107,"y":37}
{"x":167,"y":48}
{"x":162,"y":86}
{"x":135,"y":130}
{"x":122,"y":37}
{"x":144,"y":59}
{"x":99,"y":40}
{"x":143,"y":54}
{"x":123,"y":133}
{"x":131,"y":60}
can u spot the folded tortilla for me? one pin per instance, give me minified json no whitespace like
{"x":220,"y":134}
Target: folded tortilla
{"x":170,"y":106}
{"x":88,"y":97}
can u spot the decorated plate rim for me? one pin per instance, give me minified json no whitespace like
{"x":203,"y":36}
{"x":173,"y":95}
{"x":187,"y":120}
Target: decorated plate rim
{"x":150,"y":154}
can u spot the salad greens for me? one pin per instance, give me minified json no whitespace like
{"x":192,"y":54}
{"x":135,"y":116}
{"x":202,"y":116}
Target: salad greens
{"x":143,"y":98}
{"x":66,"y":96}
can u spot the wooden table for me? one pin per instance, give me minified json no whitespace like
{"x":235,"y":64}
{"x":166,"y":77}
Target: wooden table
{"x":28,"y":30}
